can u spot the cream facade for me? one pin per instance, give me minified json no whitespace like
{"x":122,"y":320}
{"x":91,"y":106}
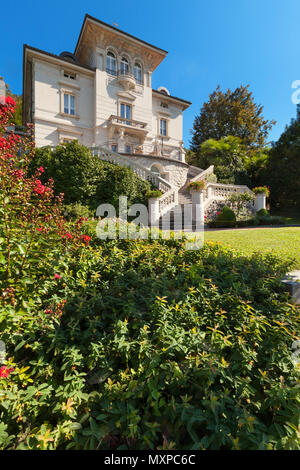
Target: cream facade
{"x":102,"y":95}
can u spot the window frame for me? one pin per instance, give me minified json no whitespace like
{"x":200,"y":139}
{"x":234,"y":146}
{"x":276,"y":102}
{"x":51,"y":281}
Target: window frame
{"x":109,"y":69}
{"x":138,"y":66}
{"x":126,"y":106}
{"x":161,"y":120}
{"x":69,"y":106}
{"x":123,"y":61}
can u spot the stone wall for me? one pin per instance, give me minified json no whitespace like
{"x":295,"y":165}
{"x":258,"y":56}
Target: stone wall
{"x":173,"y":171}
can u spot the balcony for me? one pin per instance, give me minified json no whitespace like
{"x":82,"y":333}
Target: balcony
{"x":130,"y":126}
{"x":126,"y":80}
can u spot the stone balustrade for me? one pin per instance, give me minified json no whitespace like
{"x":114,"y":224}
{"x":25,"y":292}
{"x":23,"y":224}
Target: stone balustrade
{"x":157,"y":206}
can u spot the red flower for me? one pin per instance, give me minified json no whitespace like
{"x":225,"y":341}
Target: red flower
{"x":5,"y":371}
{"x":57,"y":276}
{"x":86,"y":239}
{"x":39,"y":229}
{"x":10,"y":101}
{"x":67,"y":235}
{"x":41,"y":169}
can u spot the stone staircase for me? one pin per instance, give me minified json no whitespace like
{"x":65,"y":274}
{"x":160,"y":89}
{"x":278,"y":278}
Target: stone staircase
{"x":173,"y":210}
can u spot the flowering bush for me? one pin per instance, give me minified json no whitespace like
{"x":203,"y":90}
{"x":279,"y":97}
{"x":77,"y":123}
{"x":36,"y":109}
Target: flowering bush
{"x":136,"y":344}
{"x":31,"y":223}
{"x":197,"y":185}
{"x":261,"y":190}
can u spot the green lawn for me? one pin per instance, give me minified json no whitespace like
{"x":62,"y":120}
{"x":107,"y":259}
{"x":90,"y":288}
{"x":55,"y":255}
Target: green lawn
{"x":283,"y":241}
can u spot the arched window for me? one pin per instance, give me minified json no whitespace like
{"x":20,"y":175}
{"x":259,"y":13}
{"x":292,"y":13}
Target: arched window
{"x":124,"y":68}
{"x":155,"y":170}
{"x":137,"y":70}
{"x":111,"y":64}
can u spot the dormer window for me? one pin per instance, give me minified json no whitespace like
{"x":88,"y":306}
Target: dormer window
{"x":124,"y":66}
{"x":137,"y":70}
{"x":111,"y":63}
{"x":69,"y":75}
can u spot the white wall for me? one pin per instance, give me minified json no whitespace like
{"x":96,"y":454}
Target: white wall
{"x":49,"y":84}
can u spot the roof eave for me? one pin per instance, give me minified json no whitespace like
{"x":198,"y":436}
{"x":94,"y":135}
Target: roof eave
{"x":54,"y":57}
{"x":119,"y":31}
{"x":186,"y":104}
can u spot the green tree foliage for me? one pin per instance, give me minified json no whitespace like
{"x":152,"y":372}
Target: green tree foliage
{"x":282,"y":173}
{"x":229,"y":158}
{"x":85,"y":179}
{"x":231,"y":113}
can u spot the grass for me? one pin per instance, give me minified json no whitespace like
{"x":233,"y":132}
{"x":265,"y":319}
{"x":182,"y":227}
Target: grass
{"x":284,"y":241}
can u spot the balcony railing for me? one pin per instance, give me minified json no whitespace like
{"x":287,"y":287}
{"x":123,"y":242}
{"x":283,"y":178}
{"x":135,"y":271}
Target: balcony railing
{"x":127,"y":122}
{"x":112,"y":71}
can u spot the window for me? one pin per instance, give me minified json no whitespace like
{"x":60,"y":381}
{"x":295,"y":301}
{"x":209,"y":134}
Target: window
{"x":128,"y":149}
{"x":111,"y":64}
{"x":114,"y":148}
{"x":69,"y":75}
{"x":164,"y":105}
{"x":124,"y":66}
{"x":163,"y":127}
{"x":69,"y":104}
{"x":155,"y":170}
{"x":137,"y":70}
{"x":126,"y":112}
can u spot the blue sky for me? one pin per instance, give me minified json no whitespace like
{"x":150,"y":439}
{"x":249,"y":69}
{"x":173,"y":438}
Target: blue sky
{"x":210,"y":42}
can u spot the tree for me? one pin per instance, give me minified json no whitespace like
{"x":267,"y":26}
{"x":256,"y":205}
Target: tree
{"x":231,"y":113}
{"x":282,"y":173}
{"x":229,"y":157}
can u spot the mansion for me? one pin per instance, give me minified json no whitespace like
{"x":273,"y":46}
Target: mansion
{"x":101,"y":95}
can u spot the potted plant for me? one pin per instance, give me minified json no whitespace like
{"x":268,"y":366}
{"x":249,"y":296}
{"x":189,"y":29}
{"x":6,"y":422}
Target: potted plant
{"x":153,"y":193}
{"x":261,"y":190}
{"x":197,"y":185}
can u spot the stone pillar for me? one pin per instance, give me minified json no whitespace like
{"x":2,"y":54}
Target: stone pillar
{"x":181,"y":152}
{"x":260,"y":201}
{"x":121,"y":142}
{"x":153,"y":208}
{"x":209,"y":192}
{"x":198,"y":206}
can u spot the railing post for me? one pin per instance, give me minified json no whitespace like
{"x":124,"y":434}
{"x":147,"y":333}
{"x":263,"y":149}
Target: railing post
{"x":153,"y":208}
{"x":260,"y":201}
{"x":198,"y":206}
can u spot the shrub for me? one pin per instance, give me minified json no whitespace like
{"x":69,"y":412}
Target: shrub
{"x":240,"y":204}
{"x":85,"y":179}
{"x":226,"y":218}
{"x":270,"y":220}
{"x":153,"y":193}
{"x":136,"y":344}
{"x":262,"y":213}
{"x":76,"y":211}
